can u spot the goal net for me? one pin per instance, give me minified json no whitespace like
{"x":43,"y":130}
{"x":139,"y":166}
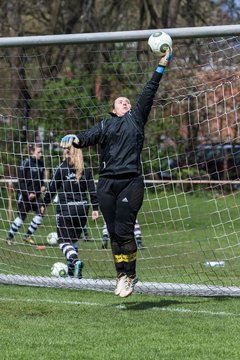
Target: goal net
{"x":190,"y":218}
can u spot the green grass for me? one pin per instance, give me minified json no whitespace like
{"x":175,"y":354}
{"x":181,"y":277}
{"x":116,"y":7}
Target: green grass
{"x":38,"y":323}
{"x":181,"y":232}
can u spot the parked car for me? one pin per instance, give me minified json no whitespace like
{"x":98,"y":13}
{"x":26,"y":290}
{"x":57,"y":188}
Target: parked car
{"x":220,"y":161}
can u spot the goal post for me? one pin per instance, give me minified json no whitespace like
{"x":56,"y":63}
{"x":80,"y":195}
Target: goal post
{"x":190,"y":219}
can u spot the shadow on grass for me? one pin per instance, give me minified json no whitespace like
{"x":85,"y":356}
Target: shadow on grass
{"x":146,"y":305}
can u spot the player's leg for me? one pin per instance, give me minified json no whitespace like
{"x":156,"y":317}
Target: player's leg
{"x":138,"y":235}
{"x":79,"y":220}
{"x":129,"y":203}
{"x":23,"y":208}
{"x":105,"y":236}
{"x":85,"y":233}
{"x":107,"y":204}
{"x":83,"y":213}
{"x":66,"y":233}
{"x":36,"y":221}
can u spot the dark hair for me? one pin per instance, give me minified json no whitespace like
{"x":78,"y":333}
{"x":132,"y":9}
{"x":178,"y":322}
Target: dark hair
{"x":32,"y":147}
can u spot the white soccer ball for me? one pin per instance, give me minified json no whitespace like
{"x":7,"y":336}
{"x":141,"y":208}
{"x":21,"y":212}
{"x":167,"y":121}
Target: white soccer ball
{"x":59,"y":269}
{"x":52,"y":238}
{"x":159,"y":42}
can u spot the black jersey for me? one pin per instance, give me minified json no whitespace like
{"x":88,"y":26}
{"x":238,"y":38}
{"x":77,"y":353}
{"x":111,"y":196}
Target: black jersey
{"x":30,"y":177}
{"x":121,"y":138}
{"x":69,"y":190}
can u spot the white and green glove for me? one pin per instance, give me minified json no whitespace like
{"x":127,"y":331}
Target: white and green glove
{"x":68,"y":140}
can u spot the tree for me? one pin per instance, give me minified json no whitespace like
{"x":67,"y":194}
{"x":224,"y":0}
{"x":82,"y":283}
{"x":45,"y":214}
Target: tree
{"x":44,"y":17}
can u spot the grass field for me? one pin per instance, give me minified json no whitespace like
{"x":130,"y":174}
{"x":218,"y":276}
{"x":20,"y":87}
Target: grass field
{"x":56,"y":324}
{"x":180,"y":232}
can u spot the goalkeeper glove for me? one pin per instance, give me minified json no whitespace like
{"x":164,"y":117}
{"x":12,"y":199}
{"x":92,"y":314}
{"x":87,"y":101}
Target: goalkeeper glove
{"x":166,"y":58}
{"x":68,"y":140}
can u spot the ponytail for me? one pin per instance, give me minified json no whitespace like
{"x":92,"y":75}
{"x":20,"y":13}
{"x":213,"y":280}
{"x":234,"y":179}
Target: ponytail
{"x":76,"y":160}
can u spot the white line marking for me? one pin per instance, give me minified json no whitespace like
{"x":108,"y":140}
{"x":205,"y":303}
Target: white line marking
{"x":53,"y":301}
{"x":205,"y":312}
{"x":124,"y":306}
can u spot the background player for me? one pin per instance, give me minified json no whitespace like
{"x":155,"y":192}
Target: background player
{"x":30,"y":187}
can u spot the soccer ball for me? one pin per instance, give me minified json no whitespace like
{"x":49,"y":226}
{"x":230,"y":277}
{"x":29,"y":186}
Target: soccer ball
{"x":59,"y":270}
{"x":159,"y":42}
{"x":52,"y":238}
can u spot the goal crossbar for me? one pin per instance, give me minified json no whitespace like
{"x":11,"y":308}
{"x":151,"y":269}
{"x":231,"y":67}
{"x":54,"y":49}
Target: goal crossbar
{"x":119,"y":36}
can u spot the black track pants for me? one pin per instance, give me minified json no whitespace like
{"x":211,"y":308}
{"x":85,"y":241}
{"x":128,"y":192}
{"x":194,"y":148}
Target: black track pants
{"x":120,"y":200}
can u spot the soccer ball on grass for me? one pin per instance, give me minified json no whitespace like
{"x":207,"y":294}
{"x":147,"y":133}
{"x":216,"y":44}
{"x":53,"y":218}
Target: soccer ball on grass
{"x":159,"y":42}
{"x":59,"y":269}
{"x":52,"y":238}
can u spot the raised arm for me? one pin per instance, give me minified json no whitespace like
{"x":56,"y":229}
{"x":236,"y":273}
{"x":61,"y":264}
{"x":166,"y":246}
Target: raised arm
{"x":145,"y":100}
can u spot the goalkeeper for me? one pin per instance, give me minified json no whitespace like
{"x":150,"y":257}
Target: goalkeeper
{"x":120,"y":188}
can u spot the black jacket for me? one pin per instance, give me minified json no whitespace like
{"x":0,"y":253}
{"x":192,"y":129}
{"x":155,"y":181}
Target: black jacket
{"x":70,"y":191}
{"x":121,"y":138}
{"x":30,"y":177}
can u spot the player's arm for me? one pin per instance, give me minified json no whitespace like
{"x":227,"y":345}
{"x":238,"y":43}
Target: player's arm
{"x":145,"y":100}
{"x":84,"y":139}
